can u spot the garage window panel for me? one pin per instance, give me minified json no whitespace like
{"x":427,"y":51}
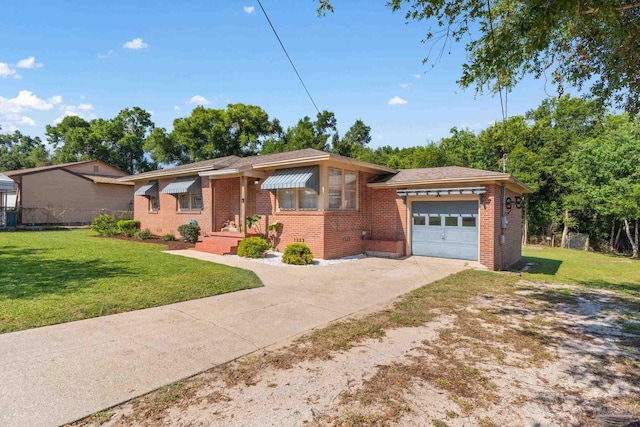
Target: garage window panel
{"x":435,"y":221}
{"x":451,"y":221}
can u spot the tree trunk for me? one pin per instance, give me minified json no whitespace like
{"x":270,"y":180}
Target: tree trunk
{"x":634,"y":242}
{"x":565,"y":230}
{"x":612,"y":236}
{"x":616,"y":245}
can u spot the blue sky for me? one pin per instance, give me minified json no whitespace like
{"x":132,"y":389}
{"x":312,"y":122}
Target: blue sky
{"x":95,"y":58}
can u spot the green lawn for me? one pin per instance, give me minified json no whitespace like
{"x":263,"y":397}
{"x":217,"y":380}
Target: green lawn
{"x":554,"y":265}
{"x":52,"y":277}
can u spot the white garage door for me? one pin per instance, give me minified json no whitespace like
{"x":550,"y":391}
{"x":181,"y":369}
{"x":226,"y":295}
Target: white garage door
{"x":445,"y":229}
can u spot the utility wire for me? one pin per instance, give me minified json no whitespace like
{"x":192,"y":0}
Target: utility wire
{"x":290,"y":60}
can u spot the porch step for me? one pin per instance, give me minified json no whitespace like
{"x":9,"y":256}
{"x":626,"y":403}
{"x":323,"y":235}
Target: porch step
{"x":221,"y":243}
{"x":217,"y":248}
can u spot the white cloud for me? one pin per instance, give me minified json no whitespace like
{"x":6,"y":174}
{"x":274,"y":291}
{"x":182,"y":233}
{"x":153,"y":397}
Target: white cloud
{"x":396,"y":100}
{"x":417,"y":76}
{"x":7,"y":71}
{"x":109,"y":53}
{"x":404,"y":85}
{"x":85,"y":107}
{"x":24,"y":120}
{"x":55,"y":100}
{"x":249,"y":9}
{"x":136,"y":44}
{"x":26,"y":100}
{"x":176,"y":107}
{"x":198,"y":100}
{"x":380,"y":137}
{"x":75,"y":110}
{"x":29,"y":62}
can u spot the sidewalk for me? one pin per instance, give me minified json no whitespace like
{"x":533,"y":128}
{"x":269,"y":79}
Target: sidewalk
{"x":60,"y":373}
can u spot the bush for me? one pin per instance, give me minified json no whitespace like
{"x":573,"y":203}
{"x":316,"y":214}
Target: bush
{"x":189,"y":232}
{"x":297,"y":254}
{"x":105,"y":225}
{"x":128,"y":227}
{"x":253,"y":247}
{"x":168,"y":237}
{"x":143,"y":234}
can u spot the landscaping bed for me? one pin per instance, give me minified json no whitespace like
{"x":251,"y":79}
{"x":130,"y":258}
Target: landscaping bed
{"x":172,"y":245}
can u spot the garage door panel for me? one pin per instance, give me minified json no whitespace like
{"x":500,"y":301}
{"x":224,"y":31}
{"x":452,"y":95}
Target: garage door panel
{"x":450,"y":230}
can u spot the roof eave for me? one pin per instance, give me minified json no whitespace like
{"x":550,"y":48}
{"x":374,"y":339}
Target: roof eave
{"x":516,"y":185}
{"x":323,"y":158}
{"x":165,"y":173}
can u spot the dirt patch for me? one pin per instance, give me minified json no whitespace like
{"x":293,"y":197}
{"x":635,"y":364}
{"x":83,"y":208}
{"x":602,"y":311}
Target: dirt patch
{"x":172,"y":245}
{"x":497,"y":351}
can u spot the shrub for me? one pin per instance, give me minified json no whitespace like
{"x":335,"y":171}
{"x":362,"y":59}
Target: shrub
{"x":189,"y":232}
{"x":253,"y":247}
{"x":105,"y":225}
{"x":168,"y":237}
{"x":128,"y":227}
{"x":143,"y":234}
{"x":297,"y":254}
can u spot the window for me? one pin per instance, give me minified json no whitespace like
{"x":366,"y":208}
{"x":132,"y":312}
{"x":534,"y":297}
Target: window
{"x":468,"y":221}
{"x":434,"y":221}
{"x":189,"y":202}
{"x":287,"y":200}
{"x":154,"y":203}
{"x":419,"y":220}
{"x":308,"y":199}
{"x":343,"y":189}
{"x":297,"y":199}
{"x":451,"y":221}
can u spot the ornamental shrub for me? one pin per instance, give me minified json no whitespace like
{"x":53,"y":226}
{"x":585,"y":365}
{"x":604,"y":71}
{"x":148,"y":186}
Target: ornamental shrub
{"x":144,"y":234}
{"x":128,"y":227}
{"x":253,"y":247}
{"x":168,"y":237}
{"x":297,"y":254}
{"x":105,"y":225}
{"x":189,"y":232}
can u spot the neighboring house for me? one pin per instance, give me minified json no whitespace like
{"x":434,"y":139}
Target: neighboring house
{"x":339,"y":206}
{"x":70,"y":193}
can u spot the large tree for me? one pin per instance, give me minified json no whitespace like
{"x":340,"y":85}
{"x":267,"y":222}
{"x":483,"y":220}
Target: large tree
{"x":207,"y":133}
{"x":357,"y":137}
{"x":19,"y":151}
{"x":119,"y":141}
{"x":592,"y":43}
{"x":306,"y":134}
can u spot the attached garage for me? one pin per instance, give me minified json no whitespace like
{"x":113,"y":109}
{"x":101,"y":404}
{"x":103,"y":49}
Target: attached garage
{"x":447,"y":229}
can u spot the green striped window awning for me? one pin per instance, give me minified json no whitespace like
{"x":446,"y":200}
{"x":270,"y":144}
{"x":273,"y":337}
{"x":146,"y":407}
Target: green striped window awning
{"x":149,"y":189}
{"x":303,"y":177}
{"x":187,"y":184}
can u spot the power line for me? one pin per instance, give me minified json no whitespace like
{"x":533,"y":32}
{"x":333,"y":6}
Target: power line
{"x":290,"y":60}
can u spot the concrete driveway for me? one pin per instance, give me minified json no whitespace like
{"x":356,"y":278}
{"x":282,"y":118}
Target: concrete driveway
{"x":57,"y":374}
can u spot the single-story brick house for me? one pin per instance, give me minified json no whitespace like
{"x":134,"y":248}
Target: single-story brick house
{"x":339,"y":206}
{"x":70,"y":193}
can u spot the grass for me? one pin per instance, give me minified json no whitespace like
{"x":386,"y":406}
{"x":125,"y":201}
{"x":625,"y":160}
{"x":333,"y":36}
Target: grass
{"x":53,"y":277}
{"x":594,"y":270}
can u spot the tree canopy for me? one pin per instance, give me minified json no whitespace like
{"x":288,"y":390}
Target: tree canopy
{"x":591,"y":44}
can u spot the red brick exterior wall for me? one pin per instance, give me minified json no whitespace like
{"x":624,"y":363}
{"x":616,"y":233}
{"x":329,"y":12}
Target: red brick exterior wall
{"x":381,"y":216}
{"x":167,"y":219}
